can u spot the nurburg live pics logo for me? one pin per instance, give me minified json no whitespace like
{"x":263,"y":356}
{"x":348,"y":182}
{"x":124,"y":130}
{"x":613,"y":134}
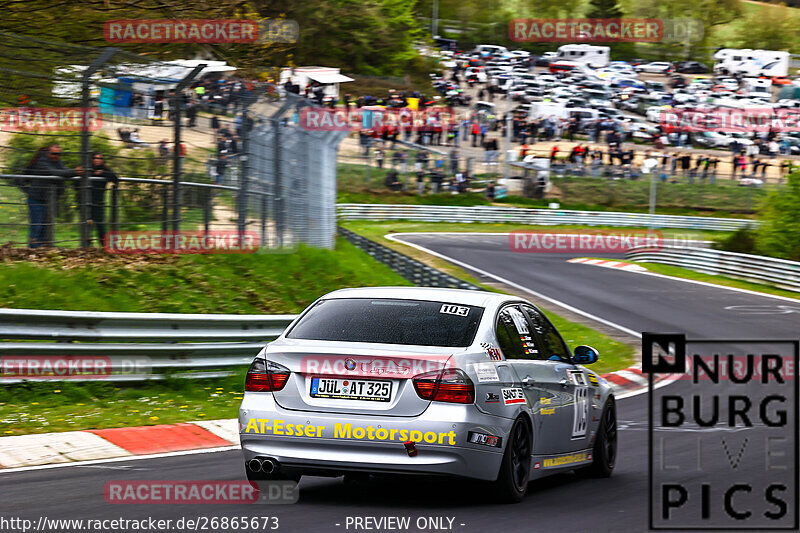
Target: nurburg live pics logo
{"x":723,"y":434}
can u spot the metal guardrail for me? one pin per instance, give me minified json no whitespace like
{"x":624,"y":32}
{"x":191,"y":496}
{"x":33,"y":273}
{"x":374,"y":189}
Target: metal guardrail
{"x":755,"y":268}
{"x":518,"y":215}
{"x":218,"y":341}
{"x":414,"y":271}
{"x":168,"y":327}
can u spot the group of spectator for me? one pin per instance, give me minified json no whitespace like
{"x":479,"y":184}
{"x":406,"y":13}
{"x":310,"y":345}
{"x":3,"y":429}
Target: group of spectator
{"x":219,"y":96}
{"x":43,"y":192}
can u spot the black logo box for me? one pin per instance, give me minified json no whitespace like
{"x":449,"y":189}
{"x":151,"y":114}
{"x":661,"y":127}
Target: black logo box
{"x":675,"y":345}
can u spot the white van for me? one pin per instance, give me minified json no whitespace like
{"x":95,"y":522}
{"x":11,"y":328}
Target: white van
{"x":748,"y":62}
{"x":548,"y":109}
{"x":593,"y":56}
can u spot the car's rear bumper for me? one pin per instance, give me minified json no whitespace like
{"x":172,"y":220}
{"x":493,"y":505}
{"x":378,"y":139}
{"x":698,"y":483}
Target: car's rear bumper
{"x":335,"y":449}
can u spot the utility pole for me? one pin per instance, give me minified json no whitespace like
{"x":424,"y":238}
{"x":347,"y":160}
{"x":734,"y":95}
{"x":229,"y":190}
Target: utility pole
{"x":434,"y":25}
{"x":507,"y":166}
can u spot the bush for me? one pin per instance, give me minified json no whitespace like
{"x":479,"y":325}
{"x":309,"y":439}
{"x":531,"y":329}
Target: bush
{"x":779,"y":235}
{"x":742,"y":241}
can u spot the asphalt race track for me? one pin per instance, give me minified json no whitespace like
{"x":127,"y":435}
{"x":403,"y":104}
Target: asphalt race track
{"x":563,"y":504}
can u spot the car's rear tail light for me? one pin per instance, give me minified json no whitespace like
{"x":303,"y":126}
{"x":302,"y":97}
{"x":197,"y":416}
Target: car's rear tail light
{"x":265,"y":376}
{"x":449,"y":385}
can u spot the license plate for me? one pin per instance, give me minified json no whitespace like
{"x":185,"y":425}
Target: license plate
{"x":351,"y":389}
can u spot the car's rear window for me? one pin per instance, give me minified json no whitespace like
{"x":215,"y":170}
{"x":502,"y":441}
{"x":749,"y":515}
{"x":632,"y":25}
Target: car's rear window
{"x":389,"y":321}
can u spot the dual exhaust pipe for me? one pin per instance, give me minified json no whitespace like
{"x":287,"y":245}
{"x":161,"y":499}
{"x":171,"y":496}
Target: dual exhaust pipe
{"x":268,"y":465}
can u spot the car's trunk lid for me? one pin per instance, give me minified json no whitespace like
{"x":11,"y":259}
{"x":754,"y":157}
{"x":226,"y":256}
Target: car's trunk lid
{"x":354,"y":378}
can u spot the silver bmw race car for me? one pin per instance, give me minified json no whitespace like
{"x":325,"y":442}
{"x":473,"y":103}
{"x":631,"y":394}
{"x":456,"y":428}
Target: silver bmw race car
{"x":425,"y":381}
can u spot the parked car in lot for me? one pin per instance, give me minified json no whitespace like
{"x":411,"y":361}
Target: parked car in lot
{"x":398,"y":380}
{"x":691,"y":67}
{"x":656,"y":67}
{"x":677,"y":82}
{"x":565,"y":66}
{"x":731,"y":84}
{"x":545,"y":59}
{"x":712,"y":139}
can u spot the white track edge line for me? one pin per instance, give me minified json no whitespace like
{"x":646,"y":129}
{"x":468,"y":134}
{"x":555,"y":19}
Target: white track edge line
{"x":627,"y":331}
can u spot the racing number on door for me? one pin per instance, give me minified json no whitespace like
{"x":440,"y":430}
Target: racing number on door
{"x":581,"y":412}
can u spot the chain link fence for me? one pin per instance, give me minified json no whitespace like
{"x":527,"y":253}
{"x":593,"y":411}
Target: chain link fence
{"x":94,"y":140}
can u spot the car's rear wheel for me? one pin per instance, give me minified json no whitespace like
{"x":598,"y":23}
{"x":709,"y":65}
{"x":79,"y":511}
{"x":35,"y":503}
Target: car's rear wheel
{"x":604,"y":454}
{"x":512,"y":480}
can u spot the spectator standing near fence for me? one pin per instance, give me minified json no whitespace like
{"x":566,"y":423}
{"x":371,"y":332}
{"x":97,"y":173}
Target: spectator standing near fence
{"x":420,"y":181}
{"x":475,"y":130}
{"x":437,"y":177}
{"x":100,"y":177}
{"x":46,"y":162}
{"x":490,"y":191}
{"x":454,"y":161}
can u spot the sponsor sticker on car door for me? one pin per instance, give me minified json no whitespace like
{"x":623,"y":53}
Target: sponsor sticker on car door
{"x":513,"y":396}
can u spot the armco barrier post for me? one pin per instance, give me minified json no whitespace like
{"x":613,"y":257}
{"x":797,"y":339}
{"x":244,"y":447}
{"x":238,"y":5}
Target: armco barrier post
{"x":114,"y":208}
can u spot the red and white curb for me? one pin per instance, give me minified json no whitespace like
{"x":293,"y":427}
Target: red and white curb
{"x":98,"y":444}
{"x":70,"y":446}
{"x":631,"y":380}
{"x":607,"y":263}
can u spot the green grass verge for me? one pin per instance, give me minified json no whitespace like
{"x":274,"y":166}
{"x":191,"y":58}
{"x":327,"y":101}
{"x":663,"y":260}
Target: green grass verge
{"x":219,"y":283}
{"x":37,"y":407}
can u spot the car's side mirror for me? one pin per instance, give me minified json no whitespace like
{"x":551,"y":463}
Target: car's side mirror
{"x":585,"y":355}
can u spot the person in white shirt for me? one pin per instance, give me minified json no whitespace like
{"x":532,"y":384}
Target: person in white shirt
{"x":774,"y":148}
{"x":649,"y":164}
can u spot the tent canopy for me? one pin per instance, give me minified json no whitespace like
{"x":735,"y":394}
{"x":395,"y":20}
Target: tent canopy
{"x":327,"y":77}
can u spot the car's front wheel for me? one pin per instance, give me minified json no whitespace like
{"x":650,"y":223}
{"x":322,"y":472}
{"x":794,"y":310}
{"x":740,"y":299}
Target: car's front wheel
{"x":512,"y":480}
{"x":604,"y":454}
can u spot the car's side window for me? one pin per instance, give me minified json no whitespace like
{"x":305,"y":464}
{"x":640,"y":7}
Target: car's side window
{"x":550,"y":341}
{"x":510,"y":328}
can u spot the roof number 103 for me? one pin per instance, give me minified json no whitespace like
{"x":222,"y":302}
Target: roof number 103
{"x":454,"y":310}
